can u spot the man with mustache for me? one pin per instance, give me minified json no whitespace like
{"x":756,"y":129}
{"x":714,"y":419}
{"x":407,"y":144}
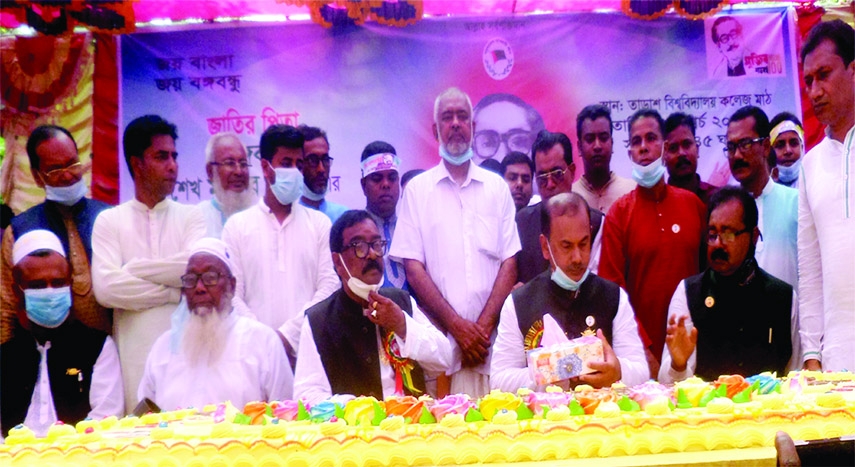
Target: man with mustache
{"x":227,"y":168}
{"x":827,"y":202}
{"x":363,"y":339}
{"x":580,"y":302}
{"x":140,"y":247}
{"x":734,"y":318}
{"x":598,"y":185}
{"x":457,"y":237}
{"x":213,"y":354}
{"x":681,"y":156}
{"x":316,"y":172}
{"x":382,"y":188}
{"x":747,"y":151}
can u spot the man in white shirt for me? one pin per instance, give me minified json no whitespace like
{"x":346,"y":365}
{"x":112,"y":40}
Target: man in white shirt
{"x":365,"y":340}
{"x":227,"y":168}
{"x":139,"y":248}
{"x":826,"y":203}
{"x":580,"y":302}
{"x":212,"y":354}
{"x":457,"y":236}
{"x":54,"y":368}
{"x":280,"y":248}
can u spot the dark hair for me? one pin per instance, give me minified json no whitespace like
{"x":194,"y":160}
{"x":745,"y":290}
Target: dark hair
{"x":408,"y":175}
{"x":279,"y":135}
{"x":761,"y":121}
{"x":642,"y":113}
{"x":492,"y":165}
{"x":838,"y":32}
{"x":727,"y":193}
{"x":546,"y":139}
{"x":592,"y":112}
{"x":516,"y":157}
{"x":532,"y":116}
{"x":377,"y":147}
{"x":138,"y":135}
{"x":39,"y":136}
{"x":782,"y":117}
{"x":311,"y":132}
{"x":718,"y":22}
{"x":562,"y":204}
{"x":348,"y":219}
{"x":675,"y":120}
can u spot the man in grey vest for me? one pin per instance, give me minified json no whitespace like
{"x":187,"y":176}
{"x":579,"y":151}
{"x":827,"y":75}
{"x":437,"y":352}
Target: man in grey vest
{"x":580,"y":302}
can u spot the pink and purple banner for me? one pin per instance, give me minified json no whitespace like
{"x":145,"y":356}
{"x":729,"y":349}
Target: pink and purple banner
{"x":523,"y":73}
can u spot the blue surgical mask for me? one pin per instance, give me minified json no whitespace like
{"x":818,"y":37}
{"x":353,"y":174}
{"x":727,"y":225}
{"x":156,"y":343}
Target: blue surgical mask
{"x":455,"y":160}
{"x":288,"y":185}
{"x":67,"y":195}
{"x":789,"y":174}
{"x":563,"y":280}
{"x":648,"y":175}
{"x":48,"y":307}
{"x":308,"y":193}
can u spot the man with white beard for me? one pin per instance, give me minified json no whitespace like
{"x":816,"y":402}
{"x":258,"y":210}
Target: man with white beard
{"x":211,"y":354}
{"x":227,"y":167}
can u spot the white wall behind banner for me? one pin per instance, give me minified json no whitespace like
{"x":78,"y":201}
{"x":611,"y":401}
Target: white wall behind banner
{"x":378,"y":83}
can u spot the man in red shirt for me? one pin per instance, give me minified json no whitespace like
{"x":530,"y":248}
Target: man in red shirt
{"x":652,"y":235}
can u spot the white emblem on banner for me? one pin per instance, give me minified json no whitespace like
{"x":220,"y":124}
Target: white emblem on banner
{"x":498,"y":58}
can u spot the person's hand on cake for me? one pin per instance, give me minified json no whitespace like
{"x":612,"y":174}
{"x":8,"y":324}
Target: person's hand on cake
{"x":605,"y":372}
{"x":385,"y":313}
{"x":680,"y":341}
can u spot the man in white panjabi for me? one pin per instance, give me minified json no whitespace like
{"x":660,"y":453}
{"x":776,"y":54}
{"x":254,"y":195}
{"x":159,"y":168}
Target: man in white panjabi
{"x":227,"y":167}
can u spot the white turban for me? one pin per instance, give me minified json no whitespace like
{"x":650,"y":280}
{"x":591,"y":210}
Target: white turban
{"x":35,"y":240}
{"x":215,"y":247}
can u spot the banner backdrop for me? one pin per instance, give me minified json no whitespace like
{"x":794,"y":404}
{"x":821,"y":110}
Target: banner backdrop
{"x":522,"y":73}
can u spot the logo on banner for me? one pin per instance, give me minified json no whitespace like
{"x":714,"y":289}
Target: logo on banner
{"x":498,"y":59}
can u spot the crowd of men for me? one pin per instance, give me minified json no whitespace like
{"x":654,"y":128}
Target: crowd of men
{"x":446,"y":278}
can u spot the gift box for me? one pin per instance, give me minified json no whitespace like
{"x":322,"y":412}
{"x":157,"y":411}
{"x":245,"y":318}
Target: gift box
{"x":564,"y":360}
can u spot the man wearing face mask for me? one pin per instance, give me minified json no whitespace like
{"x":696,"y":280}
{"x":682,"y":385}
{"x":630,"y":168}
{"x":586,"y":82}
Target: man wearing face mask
{"x":363,"y":339}
{"x":56,"y":167}
{"x":652,"y":235}
{"x":54,"y":368}
{"x":316,"y":172}
{"x":457,"y":237}
{"x":734,"y":318}
{"x":279,"y":247}
{"x":578,"y":300}
{"x":788,"y":144}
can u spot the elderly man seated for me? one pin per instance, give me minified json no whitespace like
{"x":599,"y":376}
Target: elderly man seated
{"x":579,"y":301}
{"x":55,"y":368}
{"x":363,"y":339}
{"x":210,"y":354}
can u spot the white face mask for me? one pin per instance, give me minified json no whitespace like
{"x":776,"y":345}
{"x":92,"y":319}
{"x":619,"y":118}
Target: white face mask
{"x":288,"y":185}
{"x":357,"y":286}
{"x":648,"y":175}
{"x":67,"y":195}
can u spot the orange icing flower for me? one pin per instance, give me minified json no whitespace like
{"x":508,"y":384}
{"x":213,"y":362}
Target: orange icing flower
{"x":405,"y":406}
{"x":735,"y":384}
{"x":590,"y":399}
{"x":255,"y":411}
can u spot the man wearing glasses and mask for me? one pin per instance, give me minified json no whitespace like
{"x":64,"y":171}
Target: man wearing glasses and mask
{"x":734,"y":318}
{"x":365,"y":340}
{"x":316,"y":172}
{"x":56,"y":167}
{"x":227,"y":168}
{"x":554,"y":174}
{"x":211,"y":354}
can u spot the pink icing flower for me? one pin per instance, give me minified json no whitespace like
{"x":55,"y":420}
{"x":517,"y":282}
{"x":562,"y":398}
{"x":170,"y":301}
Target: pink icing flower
{"x":452,"y":404}
{"x":650,"y":391}
{"x":536,"y":400}
{"x":286,"y":410}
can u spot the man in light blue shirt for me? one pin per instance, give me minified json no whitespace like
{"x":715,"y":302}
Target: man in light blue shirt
{"x":316,"y":173}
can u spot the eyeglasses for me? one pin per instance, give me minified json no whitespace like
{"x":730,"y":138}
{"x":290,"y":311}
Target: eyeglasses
{"x":782,"y":143}
{"x":556,"y":175}
{"x":314,"y":160}
{"x":360,"y":248}
{"x":233,"y":165}
{"x":726,"y":38}
{"x":487,"y":141}
{"x":743,"y":145}
{"x":75,"y":170}
{"x":725,"y":237}
{"x":189,"y":281}
{"x":674,"y":147}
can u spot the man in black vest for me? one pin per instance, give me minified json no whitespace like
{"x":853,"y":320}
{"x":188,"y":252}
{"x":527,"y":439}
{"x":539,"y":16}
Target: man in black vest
{"x":54,"y":368}
{"x":734,"y":318}
{"x":580,"y":302}
{"x":365,"y":340}
{"x":554,"y":173}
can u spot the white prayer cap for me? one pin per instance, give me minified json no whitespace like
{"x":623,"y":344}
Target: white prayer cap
{"x":35,"y":240}
{"x":213,"y":246}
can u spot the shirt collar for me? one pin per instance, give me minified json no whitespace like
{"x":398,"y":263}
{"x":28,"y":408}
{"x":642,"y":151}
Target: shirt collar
{"x":770,"y":185}
{"x":138,"y":205}
{"x":591,"y":188}
{"x":475,"y":173}
{"x":379,"y":220}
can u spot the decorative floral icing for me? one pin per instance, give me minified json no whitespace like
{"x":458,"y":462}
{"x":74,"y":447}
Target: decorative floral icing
{"x":452,"y":404}
{"x":496,"y":401}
